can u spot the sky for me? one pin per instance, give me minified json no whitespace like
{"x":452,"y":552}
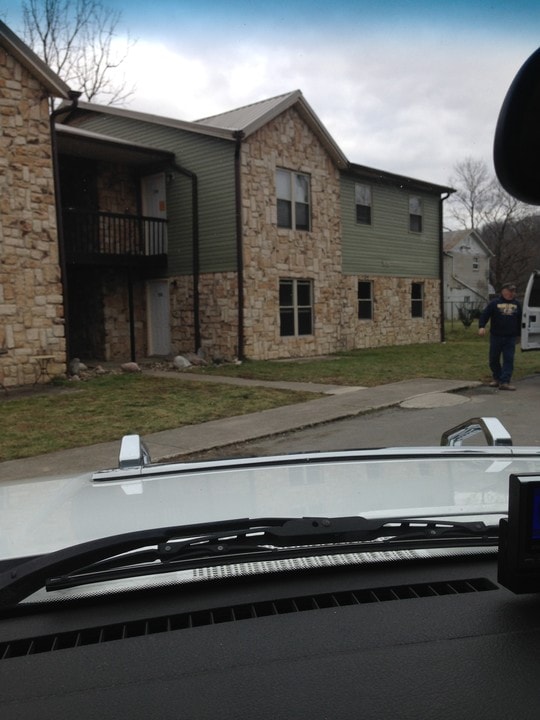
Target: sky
{"x":407,"y":86}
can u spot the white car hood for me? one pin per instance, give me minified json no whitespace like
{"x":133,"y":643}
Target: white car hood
{"x":39,"y":516}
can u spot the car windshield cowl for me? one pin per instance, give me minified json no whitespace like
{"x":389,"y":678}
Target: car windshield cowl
{"x":173,"y":548}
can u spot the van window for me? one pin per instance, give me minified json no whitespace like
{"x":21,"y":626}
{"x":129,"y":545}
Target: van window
{"x":534,"y":299}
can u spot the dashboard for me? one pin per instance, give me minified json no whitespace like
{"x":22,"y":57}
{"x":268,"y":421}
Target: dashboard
{"x":430,"y":637}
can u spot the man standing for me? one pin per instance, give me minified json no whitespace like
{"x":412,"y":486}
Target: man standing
{"x":504,"y":313}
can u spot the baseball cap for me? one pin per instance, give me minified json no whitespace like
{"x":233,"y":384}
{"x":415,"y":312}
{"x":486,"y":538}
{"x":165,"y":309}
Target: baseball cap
{"x":508,"y":286}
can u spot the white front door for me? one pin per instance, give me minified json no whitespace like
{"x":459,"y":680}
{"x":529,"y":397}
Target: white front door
{"x":159,"y":329}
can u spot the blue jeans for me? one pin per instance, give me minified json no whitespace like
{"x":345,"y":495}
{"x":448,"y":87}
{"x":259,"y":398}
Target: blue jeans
{"x":505,"y":346}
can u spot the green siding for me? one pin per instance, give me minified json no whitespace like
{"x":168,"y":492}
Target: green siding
{"x":212,"y":160}
{"x":387,"y":247}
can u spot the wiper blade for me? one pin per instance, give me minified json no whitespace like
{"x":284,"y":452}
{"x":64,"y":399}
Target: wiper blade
{"x":175,"y":548}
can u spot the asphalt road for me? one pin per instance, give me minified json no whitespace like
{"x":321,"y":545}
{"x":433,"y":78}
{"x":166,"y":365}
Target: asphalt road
{"x":518,"y":411}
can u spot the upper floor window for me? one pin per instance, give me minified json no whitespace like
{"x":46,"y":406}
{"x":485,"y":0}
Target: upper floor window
{"x":362,"y":197}
{"x":295,"y":307}
{"x":292,"y":190}
{"x":475,"y":264}
{"x":417,"y":300}
{"x":365,"y":300}
{"x":415,"y":214}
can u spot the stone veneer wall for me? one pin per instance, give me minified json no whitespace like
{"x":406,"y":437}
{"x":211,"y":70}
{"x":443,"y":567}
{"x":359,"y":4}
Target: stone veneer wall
{"x":272,"y":253}
{"x":218,"y":315}
{"x":392,"y":323}
{"x":117,"y":341}
{"x":31,"y":303}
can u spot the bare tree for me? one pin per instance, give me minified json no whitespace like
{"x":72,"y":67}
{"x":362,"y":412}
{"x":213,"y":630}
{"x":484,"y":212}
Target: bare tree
{"x":504,"y":224}
{"x":77,"y":39}
{"x":470,"y":205}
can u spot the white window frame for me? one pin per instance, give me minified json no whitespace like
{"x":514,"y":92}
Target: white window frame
{"x":296,"y":307}
{"x":288,"y":191}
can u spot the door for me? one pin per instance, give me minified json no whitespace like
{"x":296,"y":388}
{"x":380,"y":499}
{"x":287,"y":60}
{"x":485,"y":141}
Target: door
{"x":530,"y":325}
{"x":159,"y":329}
{"x":154,"y":205}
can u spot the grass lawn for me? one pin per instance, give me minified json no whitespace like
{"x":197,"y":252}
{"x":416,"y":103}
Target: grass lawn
{"x":105,"y":408}
{"x":462,"y":356}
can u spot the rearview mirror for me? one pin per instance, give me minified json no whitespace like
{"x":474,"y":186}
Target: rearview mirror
{"x":516,"y":151}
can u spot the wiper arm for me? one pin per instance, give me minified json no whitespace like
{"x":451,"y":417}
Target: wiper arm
{"x":174,"y":548}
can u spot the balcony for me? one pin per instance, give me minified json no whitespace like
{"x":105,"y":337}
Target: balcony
{"x":100,"y":238}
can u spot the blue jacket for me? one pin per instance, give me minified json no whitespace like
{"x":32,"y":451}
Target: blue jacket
{"x":504,"y":315}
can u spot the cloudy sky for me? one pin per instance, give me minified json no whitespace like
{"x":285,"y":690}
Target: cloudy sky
{"x":408,"y":86}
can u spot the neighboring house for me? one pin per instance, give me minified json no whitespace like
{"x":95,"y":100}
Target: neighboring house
{"x":466,"y":271}
{"x":31,"y":300}
{"x":277,"y":246}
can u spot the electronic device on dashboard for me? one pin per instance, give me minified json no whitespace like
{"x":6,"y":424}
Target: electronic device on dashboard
{"x":519,"y":536}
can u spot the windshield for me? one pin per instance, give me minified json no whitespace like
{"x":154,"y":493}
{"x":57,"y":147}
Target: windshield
{"x":303,"y":249}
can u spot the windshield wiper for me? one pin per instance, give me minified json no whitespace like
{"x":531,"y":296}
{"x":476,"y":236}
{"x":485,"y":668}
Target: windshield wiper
{"x":187,"y":546}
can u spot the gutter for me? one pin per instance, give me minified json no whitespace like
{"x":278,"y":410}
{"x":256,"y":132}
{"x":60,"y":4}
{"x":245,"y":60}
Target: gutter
{"x":195,"y":250}
{"x":239,"y":136}
{"x":74,"y":97}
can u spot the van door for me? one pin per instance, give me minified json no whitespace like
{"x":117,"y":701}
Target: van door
{"x":530,"y":325}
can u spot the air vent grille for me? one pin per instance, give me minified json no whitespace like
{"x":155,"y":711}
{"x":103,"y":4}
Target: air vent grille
{"x":181,"y":621}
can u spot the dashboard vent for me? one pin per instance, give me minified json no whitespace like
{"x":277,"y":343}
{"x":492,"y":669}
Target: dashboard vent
{"x":181,"y":621}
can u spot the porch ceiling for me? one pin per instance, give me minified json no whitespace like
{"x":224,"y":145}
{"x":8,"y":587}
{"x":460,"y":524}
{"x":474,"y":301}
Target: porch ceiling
{"x":81,"y":143}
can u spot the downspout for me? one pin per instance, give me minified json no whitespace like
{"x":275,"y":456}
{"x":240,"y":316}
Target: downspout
{"x":74,"y":97}
{"x":441,"y":265}
{"x":195,"y":250}
{"x":239,"y":136}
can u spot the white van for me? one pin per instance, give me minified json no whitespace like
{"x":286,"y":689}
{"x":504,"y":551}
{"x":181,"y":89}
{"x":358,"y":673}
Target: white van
{"x":530,"y":325}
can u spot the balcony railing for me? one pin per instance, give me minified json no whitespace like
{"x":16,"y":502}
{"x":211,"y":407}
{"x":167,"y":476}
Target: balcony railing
{"x":98,"y":235}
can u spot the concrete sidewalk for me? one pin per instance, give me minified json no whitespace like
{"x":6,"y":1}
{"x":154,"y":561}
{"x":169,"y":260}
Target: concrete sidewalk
{"x":339,"y":402}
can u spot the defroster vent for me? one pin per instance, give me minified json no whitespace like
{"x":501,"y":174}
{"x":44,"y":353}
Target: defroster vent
{"x":249,"y":611}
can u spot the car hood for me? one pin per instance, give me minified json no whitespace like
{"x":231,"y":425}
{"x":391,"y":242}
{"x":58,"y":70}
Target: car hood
{"x":43,"y":515}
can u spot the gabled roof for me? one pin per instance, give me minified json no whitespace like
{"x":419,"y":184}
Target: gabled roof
{"x":34,"y":64}
{"x":245,"y":120}
{"x":251,"y":118}
{"x":452,"y":239}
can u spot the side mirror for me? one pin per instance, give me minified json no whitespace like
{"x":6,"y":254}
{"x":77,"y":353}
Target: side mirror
{"x":516,"y":150}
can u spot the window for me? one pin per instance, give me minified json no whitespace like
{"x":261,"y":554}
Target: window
{"x":362,"y":197}
{"x":295,"y":307}
{"x":365,"y":300}
{"x":475,"y":264}
{"x":415,"y":214}
{"x":292,"y":190}
{"x":417,"y":300}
